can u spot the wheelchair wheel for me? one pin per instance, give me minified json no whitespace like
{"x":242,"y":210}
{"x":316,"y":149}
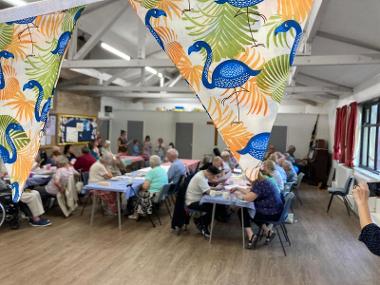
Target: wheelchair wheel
{"x":2,"y":214}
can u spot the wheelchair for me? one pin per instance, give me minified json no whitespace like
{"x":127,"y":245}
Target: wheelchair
{"x":9,"y":211}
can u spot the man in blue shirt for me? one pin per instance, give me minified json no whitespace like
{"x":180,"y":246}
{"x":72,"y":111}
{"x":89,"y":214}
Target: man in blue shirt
{"x":177,"y":168}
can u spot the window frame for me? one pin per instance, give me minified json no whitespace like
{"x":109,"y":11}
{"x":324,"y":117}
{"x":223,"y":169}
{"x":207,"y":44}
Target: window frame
{"x":367,"y":107}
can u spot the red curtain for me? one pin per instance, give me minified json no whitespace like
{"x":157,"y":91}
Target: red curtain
{"x":343,"y":135}
{"x":337,"y":134}
{"x":351,"y":128}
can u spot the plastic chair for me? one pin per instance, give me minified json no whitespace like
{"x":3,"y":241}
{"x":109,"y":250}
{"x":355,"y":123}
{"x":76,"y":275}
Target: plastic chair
{"x":296,"y":186}
{"x":343,"y":192}
{"x":282,"y":221}
{"x":162,"y":197}
{"x":288,"y":187}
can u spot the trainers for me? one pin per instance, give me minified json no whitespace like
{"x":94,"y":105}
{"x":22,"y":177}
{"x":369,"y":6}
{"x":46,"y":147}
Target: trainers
{"x":271,"y":235}
{"x":205,"y":233}
{"x":40,"y":223}
{"x":198,"y":225}
{"x":133,"y":217}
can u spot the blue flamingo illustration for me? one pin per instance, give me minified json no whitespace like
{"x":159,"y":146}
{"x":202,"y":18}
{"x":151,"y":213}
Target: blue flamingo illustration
{"x":26,"y":21}
{"x":245,"y":4}
{"x":229,"y":74}
{"x":62,"y":43}
{"x":275,"y":72}
{"x":6,"y":156}
{"x":257,"y":146}
{"x":77,"y":15}
{"x":41,"y":116}
{"x":155,"y":13}
{"x":4,"y":54}
{"x":15,"y":192}
{"x":285,"y":27}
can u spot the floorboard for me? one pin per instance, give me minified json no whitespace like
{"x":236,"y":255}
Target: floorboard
{"x":324,"y":250}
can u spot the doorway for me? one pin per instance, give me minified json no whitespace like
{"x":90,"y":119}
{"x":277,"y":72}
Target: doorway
{"x":135,"y":130}
{"x":279,"y":138}
{"x":184,"y":139}
{"x":104,"y":129}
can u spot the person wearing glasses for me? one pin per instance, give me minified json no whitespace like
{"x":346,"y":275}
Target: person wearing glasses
{"x":370,"y":234}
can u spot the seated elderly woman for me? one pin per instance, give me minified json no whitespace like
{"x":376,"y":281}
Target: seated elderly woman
{"x":155,"y":179}
{"x":276,"y":157}
{"x":233,"y":163}
{"x":100,"y":172}
{"x":268,"y":205}
{"x":60,"y":179}
{"x":291,"y":175}
{"x":106,"y":147}
{"x":270,"y":170}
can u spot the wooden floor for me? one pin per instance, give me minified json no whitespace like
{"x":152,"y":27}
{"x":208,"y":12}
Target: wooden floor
{"x":325,"y":250}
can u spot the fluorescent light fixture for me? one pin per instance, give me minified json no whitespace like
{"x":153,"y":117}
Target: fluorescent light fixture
{"x":151,"y":70}
{"x":16,"y":2}
{"x":154,"y":71}
{"x":123,"y":55}
{"x":115,"y":51}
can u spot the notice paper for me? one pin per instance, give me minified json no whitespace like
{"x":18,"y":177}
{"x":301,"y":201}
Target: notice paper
{"x":80,"y":127}
{"x":71,"y":134}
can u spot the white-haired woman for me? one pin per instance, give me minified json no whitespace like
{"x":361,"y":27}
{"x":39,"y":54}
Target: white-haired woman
{"x":155,"y":179}
{"x":270,"y":170}
{"x":59,"y":180}
{"x":99,"y":172}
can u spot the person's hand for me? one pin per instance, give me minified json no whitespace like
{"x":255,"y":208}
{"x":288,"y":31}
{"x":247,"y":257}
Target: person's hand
{"x":219,"y":187}
{"x":233,"y":190}
{"x":361,"y":193}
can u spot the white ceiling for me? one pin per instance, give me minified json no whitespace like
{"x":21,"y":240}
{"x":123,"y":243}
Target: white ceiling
{"x":345,"y":20}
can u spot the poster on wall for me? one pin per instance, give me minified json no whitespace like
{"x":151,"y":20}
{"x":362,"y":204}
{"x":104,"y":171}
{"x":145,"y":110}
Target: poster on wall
{"x":73,"y":129}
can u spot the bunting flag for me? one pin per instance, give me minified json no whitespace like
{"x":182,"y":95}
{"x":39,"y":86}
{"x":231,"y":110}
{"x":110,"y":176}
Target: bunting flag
{"x":236,"y":55}
{"x":31,"y":53}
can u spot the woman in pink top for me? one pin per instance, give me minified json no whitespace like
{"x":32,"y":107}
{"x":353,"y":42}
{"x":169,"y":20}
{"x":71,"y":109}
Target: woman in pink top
{"x":59,"y":180}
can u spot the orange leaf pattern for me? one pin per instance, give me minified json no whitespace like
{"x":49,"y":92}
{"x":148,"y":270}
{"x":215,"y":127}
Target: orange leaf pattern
{"x":225,"y":61}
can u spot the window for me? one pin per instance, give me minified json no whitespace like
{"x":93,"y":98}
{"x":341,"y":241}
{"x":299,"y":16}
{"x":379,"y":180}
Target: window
{"x":370,"y":136}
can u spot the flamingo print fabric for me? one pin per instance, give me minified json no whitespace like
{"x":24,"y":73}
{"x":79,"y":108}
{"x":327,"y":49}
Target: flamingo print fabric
{"x":236,"y":55}
{"x":31,"y":52}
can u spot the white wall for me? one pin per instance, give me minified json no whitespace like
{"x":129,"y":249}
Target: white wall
{"x":300,"y":127}
{"x":162,"y":124}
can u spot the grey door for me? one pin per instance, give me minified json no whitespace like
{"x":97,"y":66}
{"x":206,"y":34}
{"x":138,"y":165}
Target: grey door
{"x":278,"y":137}
{"x":135,"y":130}
{"x":184,"y":139}
{"x":104,"y":129}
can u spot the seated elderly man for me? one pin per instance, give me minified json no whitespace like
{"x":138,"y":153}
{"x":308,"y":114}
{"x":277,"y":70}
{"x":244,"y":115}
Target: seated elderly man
{"x":177,"y":168}
{"x":290,"y":154}
{"x":199,"y":186}
{"x":99,"y":172}
{"x":155,"y":179}
{"x":84,"y":162}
